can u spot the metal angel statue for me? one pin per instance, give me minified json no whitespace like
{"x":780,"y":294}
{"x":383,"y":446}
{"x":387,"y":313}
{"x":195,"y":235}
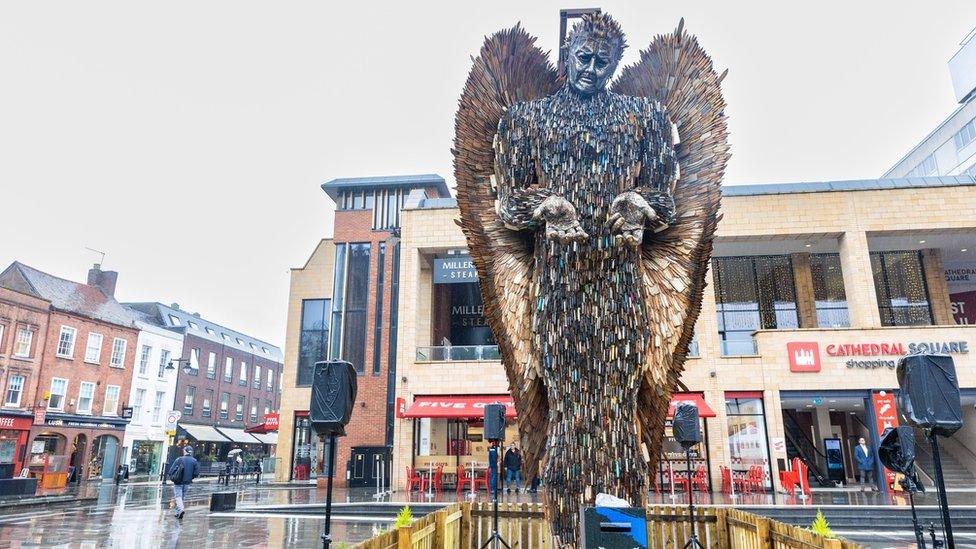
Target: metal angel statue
{"x":591,"y":227}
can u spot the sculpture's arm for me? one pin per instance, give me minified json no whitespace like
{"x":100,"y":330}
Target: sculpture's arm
{"x":522,"y":202}
{"x":649,"y":205}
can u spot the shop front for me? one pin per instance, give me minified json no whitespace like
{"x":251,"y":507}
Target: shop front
{"x":307,"y":457}
{"x":92,"y":444}
{"x":748,"y":442}
{"x":253,"y":449}
{"x":673,"y":467}
{"x":449,"y":431}
{"x":209,"y":445}
{"x":14,"y":432}
{"x":146,"y":457}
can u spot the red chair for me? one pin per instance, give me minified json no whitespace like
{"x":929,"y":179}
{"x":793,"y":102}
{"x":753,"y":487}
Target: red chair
{"x":486,"y":480}
{"x":413,"y":479}
{"x":439,"y":478}
{"x":462,"y":479}
{"x":699,"y":481}
{"x":754,"y":479}
{"x":680,"y":482}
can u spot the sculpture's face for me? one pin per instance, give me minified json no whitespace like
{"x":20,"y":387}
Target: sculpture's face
{"x":589,"y":65}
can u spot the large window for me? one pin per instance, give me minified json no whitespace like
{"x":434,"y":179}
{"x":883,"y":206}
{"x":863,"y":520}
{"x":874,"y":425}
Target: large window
{"x":191,"y":392}
{"x":93,"y":350}
{"x":899,"y":280}
{"x":144,"y":359}
{"x":228,"y":369}
{"x":86,"y":396}
{"x":924,"y":168}
{"x":243,"y":379}
{"x":378,"y":317}
{"x":59,"y":388}
{"x":351,"y":293}
{"x":22,"y":347}
{"x":137,"y":405}
{"x":828,"y":291}
{"x":239,"y":412}
{"x":118,"y":353}
{"x":256,"y":381}
{"x":966,"y":135}
{"x":314,"y":340}
{"x":66,"y":342}
{"x":224,"y":403}
{"x":15,"y":387}
{"x":194,"y":361}
{"x":111,"y":407}
{"x":163,"y":363}
{"x":746,"y":423}
{"x":753,"y":293}
{"x":211,"y":365}
{"x":207,"y":402}
{"x":158,"y":406}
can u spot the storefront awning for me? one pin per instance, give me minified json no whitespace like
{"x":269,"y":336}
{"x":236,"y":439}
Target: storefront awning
{"x":203,"y":433}
{"x":237,"y":435}
{"x":266,"y":438}
{"x":458,"y":407}
{"x":704,"y":410}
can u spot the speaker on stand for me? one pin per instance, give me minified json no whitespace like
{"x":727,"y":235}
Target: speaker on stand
{"x":929,"y":399}
{"x":897,"y":453}
{"x":494,"y":433}
{"x":333,"y":396}
{"x":686,"y":428}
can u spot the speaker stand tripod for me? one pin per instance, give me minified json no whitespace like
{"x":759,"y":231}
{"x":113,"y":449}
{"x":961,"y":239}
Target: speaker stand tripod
{"x":495,"y":538}
{"x":693,"y":541}
{"x":327,"y":536}
{"x":940,"y":485}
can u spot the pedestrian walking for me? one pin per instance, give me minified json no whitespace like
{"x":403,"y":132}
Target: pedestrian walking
{"x":181,"y":474}
{"x":864,"y":455}
{"x":513,"y":468}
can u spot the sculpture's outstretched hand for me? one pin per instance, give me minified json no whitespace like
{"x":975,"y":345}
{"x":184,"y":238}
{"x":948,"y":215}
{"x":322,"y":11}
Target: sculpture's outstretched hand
{"x":562,"y":223}
{"x":630,"y":213}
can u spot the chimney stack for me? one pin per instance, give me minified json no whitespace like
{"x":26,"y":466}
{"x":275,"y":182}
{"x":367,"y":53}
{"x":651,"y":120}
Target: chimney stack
{"x":103,"y":280}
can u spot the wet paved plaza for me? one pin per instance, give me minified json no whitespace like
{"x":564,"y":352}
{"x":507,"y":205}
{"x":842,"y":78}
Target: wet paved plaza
{"x":138,"y":516}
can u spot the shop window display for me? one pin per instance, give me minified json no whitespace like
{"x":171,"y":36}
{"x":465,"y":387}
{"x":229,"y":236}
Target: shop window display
{"x":746,"y":430}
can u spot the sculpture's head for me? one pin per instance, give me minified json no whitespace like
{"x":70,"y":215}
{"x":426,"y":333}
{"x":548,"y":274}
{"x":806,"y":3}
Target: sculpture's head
{"x":593,"y":49}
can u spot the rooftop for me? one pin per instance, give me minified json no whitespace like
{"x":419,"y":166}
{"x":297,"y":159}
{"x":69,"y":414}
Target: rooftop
{"x":66,"y":295}
{"x":176,"y":319}
{"x":333,"y":187}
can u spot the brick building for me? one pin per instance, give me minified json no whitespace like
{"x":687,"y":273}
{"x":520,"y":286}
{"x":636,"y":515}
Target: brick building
{"x":86,"y":368}
{"x":23,"y":328}
{"x":343,"y":304}
{"x":227,"y":382}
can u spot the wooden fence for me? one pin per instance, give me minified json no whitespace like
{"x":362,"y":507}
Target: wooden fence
{"x":523,"y":526}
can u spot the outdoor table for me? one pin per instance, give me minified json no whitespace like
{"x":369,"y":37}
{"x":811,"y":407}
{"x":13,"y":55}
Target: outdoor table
{"x":430,"y":479}
{"x":479,"y":468}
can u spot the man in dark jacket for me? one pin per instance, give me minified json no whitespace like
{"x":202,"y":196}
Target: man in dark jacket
{"x":513,"y":465}
{"x":191,"y":470}
{"x":864,"y":456}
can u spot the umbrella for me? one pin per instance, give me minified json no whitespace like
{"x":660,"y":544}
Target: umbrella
{"x":234,"y":452}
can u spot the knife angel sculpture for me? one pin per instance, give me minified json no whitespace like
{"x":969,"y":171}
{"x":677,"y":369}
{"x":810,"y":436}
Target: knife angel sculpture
{"x":589,"y":210}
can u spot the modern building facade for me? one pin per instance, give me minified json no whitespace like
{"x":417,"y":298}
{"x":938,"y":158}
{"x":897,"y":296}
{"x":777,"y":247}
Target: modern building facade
{"x":23,"y":327}
{"x":343,"y":304}
{"x":815,"y":291}
{"x":86,"y":369}
{"x":151,"y":397}
{"x":226,"y":381}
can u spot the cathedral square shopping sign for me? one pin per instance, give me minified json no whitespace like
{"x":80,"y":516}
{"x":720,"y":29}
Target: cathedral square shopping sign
{"x":804,"y":356}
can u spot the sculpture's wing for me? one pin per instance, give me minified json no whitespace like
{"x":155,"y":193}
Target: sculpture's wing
{"x":509,"y":69}
{"x":676,"y":71}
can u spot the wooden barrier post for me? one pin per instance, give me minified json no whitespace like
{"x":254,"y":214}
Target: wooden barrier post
{"x":832,"y":544}
{"x":722,"y":527}
{"x":762,"y":531}
{"x":440,"y":519}
{"x":466,"y":524}
{"x":404,"y":540}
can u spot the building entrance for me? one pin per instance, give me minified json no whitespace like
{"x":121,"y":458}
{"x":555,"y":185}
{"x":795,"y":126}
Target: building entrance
{"x":823,"y":429}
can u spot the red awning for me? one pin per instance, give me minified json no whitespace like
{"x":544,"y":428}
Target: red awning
{"x":269,"y":425}
{"x":704,"y":410}
{"x":457,"y":407}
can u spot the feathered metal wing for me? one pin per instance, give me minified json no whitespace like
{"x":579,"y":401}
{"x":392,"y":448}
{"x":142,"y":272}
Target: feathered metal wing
{"x":677,"y":72}
{"x":509,"y":69}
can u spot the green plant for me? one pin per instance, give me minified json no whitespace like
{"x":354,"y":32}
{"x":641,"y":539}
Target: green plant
{"x":404,"y":518}
{"x":821,"y":527}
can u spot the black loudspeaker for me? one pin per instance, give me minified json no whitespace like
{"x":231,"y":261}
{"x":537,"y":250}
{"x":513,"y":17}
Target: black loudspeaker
{"x":495,"y":422}
{"x":897,"y":452}
{"x":685,"y":425}
{"x":929,"y":396}
{"x":333,"y":397}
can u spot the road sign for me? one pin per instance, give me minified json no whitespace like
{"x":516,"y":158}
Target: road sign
{"x":172,"y":418}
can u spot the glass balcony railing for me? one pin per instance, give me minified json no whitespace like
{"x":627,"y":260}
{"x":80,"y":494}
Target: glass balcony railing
{"x":739,"y":347}
{"x":458,"y":353}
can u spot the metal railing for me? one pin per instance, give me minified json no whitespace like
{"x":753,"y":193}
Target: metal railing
{"x":740,"y":347}
{"x":458,"y":353}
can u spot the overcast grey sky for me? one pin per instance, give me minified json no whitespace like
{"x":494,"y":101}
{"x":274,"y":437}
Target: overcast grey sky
{"x":188,"y":139}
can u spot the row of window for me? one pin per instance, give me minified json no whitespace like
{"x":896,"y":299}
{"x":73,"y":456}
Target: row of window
{"x":157,"y":410}
{"x":86,"y":397}
{"x":924,"y":168}
{"x":758,"y":293}
{"x":385,"y":204}
{"x":228,"y":374}
{"x":206,"y":411}
{"x":966,"y":135}
{"x":93,"y":347}
{"x":145,"y":360}
{"x":175,"y":320}
{"x":23,"y":346}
